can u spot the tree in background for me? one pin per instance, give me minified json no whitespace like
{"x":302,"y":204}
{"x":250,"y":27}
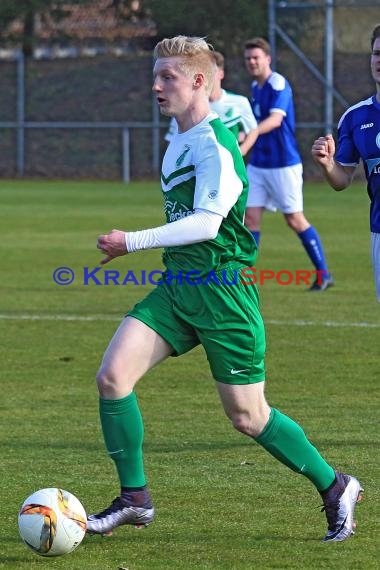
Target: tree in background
{"x":24,"y":22}
{"x":24,"y":13}
{"x":225,"y":23}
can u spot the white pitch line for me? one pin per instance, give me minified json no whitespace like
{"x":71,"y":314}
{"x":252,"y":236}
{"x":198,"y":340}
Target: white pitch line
{"x":60,"y":317}
{"x":322,"y":324}
{"x":295,"y":323}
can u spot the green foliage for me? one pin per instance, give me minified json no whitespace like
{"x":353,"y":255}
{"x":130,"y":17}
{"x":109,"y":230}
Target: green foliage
{"x":25,"y":11}
{"x":222,"y":502}
{"x":226,"y":24}
{"x":10,"y":10}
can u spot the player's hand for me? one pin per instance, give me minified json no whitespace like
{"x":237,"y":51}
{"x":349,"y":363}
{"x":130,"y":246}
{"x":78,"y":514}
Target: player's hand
{"x":323,"y":150}
{"x":113,"y":245}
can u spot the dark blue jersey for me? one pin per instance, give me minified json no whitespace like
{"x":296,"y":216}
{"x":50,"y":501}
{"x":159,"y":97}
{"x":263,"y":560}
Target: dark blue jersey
{"x":279,"y":147}
{"x":359,"y":138}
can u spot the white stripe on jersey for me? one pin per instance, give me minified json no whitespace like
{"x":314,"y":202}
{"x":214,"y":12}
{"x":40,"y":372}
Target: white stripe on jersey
{"x":356,"y":106}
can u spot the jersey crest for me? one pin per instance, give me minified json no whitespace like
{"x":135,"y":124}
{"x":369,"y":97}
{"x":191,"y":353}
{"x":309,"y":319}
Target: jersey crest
{"x":181,"y":157}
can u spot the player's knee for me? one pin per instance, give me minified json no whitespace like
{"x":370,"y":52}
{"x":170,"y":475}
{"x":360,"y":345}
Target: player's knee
{"x":244,"y":423}
{"x":297,"y":222}
{"x":240,"y":424}
{"x":291,"y":223}
{"x":114,"y":381}
{"x":103,"y":380}
{"x":251,"y":422}
{"x":107,"y":381}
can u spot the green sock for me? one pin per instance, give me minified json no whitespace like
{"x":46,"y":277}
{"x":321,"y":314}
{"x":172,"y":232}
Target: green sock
{"x":123,"y":432}
{"x":286,"y":441}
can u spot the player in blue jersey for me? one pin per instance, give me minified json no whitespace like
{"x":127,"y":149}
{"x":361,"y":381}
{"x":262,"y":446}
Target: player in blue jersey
{"x":358,"y":138}
{"x":204,"y":187}
{"x":274,"y":167}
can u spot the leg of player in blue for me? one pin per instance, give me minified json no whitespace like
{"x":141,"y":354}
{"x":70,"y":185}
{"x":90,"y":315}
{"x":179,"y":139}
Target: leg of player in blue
{"x":256,"y":236}
{"x":313,"y":247}
{"x":280,"y":189}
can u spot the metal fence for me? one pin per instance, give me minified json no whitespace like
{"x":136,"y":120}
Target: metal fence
{"x":279,"y":13}
{"x":95,"y":117}
{"x":24,"y":128}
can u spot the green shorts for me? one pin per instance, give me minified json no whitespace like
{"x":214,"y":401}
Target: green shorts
{"x":224,"y":318}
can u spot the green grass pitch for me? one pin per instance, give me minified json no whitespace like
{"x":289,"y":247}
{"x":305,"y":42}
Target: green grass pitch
{"x":222,"y":503}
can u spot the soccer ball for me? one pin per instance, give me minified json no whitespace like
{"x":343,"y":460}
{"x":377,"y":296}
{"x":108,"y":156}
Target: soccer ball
{"x":52,"y":522}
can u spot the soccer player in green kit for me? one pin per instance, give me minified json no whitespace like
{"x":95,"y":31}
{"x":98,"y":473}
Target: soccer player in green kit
{"x":205,"y":189}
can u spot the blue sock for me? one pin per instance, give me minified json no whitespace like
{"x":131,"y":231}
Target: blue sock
{"x":256,"y":235}
{"x":313,"y":246}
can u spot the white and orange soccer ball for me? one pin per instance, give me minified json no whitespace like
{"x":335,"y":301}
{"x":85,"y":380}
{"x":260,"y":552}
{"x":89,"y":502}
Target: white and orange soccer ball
{"x":52,"y":522}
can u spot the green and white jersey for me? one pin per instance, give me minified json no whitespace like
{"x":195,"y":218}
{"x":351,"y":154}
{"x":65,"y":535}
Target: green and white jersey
{"x":203,"y":168}
{"x":233,"y":110}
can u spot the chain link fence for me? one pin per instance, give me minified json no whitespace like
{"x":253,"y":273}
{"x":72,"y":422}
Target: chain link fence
{"x":79,"y":118}
{"x":95,"y":117}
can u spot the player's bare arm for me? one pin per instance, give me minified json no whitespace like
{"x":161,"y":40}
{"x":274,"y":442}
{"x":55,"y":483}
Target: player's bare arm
{"x":323,"y":151}
{"x":249,"y":141}
{"x":272,"y":122}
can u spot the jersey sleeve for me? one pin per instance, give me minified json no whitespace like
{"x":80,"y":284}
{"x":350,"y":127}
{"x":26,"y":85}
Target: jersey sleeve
{"x":248,"y":119}
{"x":200,"y":226}
{"x":281,"y":94}
{"x":347,"y":154}
{"x":217,"y":186}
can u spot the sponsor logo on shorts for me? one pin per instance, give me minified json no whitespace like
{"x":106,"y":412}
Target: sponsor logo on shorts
{"x":233,"y":371}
